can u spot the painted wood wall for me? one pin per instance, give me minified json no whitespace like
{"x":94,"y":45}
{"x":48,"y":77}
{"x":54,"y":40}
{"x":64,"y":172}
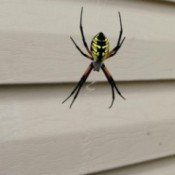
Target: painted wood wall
{"x":40,"y":66}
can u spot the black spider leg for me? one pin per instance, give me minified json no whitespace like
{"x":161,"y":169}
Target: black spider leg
{"x":112,"y":82}
{"x":80,"y":49}
{"x":82,"y":33}
{"x":83,"y":38}
{"x":80,"y":84}
{"x":119,"y":43}
{"x":112,"y":87}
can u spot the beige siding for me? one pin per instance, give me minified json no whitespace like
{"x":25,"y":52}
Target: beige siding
{"x":40,"y":66}
{"x":161,"y":167}
{"x":35,"y":46}
{"x":39,"y":133}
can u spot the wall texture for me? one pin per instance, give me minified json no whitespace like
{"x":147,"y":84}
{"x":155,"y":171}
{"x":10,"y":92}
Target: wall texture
{"x":40,"y":66}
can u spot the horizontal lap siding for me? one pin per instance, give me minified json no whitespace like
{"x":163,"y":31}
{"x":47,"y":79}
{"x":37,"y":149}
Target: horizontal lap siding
{"x":36,"y":47}
{"x":158,"y":166}
{"x":41,"y":135}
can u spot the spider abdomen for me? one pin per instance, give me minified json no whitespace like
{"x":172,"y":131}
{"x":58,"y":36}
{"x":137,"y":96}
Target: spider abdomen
{"x":100,"y":47}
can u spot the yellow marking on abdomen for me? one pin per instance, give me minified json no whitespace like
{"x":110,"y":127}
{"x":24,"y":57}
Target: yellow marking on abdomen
{"x":100,"y":47}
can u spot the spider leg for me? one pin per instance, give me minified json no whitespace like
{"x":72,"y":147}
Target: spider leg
{"x":112,"y":87}
{"x":119,"y":43}
{"x":80,"y":49}
{"x":80,"y":84}
{"x":82,"y":33}
{"x":77,"y":93}
{"x":116,"y":49}
{"x":121,"y":29}
{"x":112,"y":80}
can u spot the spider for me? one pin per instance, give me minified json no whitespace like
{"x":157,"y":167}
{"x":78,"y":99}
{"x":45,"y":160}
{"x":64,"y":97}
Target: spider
{"x":98,"y":53}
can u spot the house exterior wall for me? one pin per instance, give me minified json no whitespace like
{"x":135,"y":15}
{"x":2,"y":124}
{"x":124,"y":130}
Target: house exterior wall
{"x":40,"y":66}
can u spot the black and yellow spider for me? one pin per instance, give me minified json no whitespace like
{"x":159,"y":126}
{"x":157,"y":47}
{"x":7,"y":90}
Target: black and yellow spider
{"x":98,"y":53}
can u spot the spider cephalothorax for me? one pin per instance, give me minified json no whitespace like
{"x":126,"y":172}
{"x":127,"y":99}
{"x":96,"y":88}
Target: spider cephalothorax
{"x":98,"y":52}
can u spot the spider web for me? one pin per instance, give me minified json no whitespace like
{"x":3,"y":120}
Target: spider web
{"x":89,"y":87}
